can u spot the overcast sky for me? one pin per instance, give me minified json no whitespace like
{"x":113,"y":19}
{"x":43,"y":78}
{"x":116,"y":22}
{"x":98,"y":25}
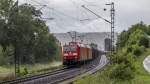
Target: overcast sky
{"x":70,"y":16}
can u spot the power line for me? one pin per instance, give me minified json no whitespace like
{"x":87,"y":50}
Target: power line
{"x":61,"y":13}
{"x":56,"y":10}
{"x":89,"y":3}
{"x":95,"y":14}
{"x":78,"y":7}
{"x":58,"y":15}
{"x":51,"y":18}
{"x":86,"y":2}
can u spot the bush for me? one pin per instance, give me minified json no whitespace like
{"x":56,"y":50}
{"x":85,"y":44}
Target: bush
{"x":129,"y":49}
{"x":118,"y":57}
{"x":144,"y":42}
{"x":122,"y":72}
{"x":123,"y":61}
{"x":138,"y":50}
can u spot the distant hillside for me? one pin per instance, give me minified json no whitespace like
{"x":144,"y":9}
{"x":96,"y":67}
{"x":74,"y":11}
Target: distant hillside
{"x":91,"y":37}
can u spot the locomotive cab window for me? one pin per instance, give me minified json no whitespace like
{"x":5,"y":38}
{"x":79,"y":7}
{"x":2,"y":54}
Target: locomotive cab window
{"x":70,"y":49}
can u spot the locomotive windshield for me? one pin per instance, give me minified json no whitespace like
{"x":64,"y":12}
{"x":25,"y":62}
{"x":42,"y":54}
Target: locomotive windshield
{"x":70,"y":49}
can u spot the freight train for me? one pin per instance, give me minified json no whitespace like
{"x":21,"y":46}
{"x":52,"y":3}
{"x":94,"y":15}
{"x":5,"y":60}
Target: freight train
{"x":76,"y":53}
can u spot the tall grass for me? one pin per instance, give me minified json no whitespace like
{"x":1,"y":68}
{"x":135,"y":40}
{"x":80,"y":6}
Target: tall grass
{"x":7,"y":72}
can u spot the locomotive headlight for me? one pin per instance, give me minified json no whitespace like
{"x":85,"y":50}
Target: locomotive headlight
{"x":75,"y":54}
{"x":65,"y":55}
{"x":76,"y":57}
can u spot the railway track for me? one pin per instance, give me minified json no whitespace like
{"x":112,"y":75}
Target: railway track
{"x":57,"y":76}
{"x":47,"y":78}
{"x":20,"y":80}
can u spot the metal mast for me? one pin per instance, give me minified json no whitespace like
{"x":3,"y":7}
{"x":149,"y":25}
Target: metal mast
{"x":17,"y":58}
{"x":112,"y":11}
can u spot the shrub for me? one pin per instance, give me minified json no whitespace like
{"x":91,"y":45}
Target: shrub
{"x":122,"y":72}
{"x":138,"y":50}
{"x":117,"y":57}
{"x":129,"y":49}
{"x":144,"y":41}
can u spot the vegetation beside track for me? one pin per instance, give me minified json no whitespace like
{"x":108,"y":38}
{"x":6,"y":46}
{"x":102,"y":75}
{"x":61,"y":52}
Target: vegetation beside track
{"x":126,"y":66}
{"x":7,"y":72}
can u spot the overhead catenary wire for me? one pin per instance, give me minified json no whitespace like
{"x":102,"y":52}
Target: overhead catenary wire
{"x":96,"y":14}
{"x":51,"y":18}
{"x":61,"y":19}
{"x":89,"y":19}
{"x":78,"y":6}
{"x":93,"y":4}
{"x":90,"y":3}
{"x":56,"y":10}
{"x":83,"y":11}
{"x":56,"y":13}
{"x":86,"y":2}
{"x":80,"y":22}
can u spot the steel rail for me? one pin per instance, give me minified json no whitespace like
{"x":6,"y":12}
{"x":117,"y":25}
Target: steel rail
{"x":24,"y":79}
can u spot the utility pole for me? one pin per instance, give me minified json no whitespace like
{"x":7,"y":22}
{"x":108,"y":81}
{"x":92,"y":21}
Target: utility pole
{"x":16,"y":57}
{"x":16,"y":54}
{"x":112,"y":14}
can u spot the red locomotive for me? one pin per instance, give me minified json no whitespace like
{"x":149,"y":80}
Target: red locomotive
{"x":76,"y":53}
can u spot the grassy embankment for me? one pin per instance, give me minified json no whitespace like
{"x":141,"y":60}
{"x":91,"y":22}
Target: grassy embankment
{"x":7,"y":72}
{"x":141,"y":76}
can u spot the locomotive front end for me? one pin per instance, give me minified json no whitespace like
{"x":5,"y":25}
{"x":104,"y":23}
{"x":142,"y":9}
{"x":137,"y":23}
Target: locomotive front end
{"x":70,"y":55}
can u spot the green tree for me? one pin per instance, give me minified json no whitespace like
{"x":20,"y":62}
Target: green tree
{"x":22,"y":28}
{"x":122,"y":39}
